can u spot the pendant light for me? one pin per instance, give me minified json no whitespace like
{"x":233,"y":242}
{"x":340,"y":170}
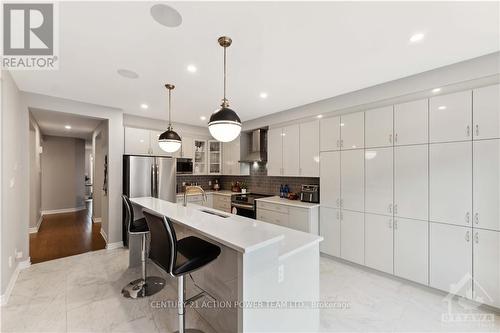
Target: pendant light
{"x":169,"y":140}
{"x":224,"y":124}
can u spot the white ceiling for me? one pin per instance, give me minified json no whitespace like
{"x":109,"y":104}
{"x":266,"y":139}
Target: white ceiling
{"x":297,"y":52}
{"x":52,"y":123}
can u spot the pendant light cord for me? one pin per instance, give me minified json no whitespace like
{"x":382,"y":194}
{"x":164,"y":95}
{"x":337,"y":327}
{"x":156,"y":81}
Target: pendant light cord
{"x":169,"y":108}
{"x":224,"y":101}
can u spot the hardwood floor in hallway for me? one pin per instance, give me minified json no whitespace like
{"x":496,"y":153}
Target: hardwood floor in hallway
{"x":66,"y":234}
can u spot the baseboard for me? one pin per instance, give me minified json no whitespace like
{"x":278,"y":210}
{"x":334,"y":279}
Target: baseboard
{"x":112,"y":246}
{"x":97,"y":219}
{"x":34,"y":230}
{"x":103,"y":234}
{"x":4,"y":299}
{"x":64,"y":210}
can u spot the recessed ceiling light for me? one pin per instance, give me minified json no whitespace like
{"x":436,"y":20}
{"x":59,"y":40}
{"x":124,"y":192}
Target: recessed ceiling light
{"x":442,"y":107}
{"x":203,"y":118}
{"x":191,"y":68}
{"x":166,"y":15}
{"x":144,"y":106}
{"x":263,"y":95}
{"x":342,"y":124}
{"x":319,"y":116}
{"x":417,"y":37}
{"x":67,"y":127}
{"x":127,"y":73}
{"x":436,"y":90}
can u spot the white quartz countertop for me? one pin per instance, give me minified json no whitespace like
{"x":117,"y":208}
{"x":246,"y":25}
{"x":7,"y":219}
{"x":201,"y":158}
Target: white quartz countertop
{"x":221,"y":192}
{"x":294,"y":203}
{"x":237,"y":232}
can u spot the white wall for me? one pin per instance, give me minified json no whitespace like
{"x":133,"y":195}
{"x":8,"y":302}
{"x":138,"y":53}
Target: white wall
{"x":63,"y":173}
{"x":160,"y":125}
{"x":485,"y":68}
{"x":115,"y":147}
{"x":35,"y":173}
{"x":100,"y":150}
{"x":15,"y":179}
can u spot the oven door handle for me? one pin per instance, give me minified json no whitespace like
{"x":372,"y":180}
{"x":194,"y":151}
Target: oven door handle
{"x":242,"y":206}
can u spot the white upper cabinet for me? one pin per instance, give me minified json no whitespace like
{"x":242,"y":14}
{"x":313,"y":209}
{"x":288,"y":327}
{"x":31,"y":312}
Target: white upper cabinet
{"x":330,"y":179}
{"x":411,"y":250}
{"x":486,"y":184}
{"x":379,"y":242}
{"x":214,"y":157}
{"x":329,"y":134}
{"x":450,"y":257}
{"x":411,"y":122}
{"x":379,"y":127}
{"x":275,"y":152}
{"x":450,"y":176}
{"x":187,"y":148}
{"x":486,"y":109}
{"x":411,"y":179}
{"x":352,"y":236}
{"x":231,"y":155}
{"x":330,"y":231}
{"x":379,"y":180}
{"x":137,"y":141}
{"x":291,"y":145}
{"x":487,"y":266}
{"x":309,"y":149}
{"x":352,"y":180}
{"x":352,"y":131}
{"x":451,"y":117}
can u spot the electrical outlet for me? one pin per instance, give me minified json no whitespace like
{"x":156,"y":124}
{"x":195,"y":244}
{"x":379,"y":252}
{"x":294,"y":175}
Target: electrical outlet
{"x":12,"y":182}
{"x":10,"y":261}
{"x":281,"y":273}
{"x":209,"y":183}
{"x":19,"y":254}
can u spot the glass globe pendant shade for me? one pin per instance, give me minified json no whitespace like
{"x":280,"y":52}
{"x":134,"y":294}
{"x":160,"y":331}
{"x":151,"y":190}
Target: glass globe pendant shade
{"x":169,"y":141}
{"x":224,"y":125}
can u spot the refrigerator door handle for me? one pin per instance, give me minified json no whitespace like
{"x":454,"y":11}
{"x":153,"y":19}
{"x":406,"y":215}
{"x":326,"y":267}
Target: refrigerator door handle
{"x":152,"y":178}
{"x":157,"y":180}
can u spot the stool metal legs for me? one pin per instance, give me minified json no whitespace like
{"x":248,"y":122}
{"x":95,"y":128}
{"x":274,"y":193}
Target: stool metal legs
{"x":181,"y":308}
{"x":145,"y":286}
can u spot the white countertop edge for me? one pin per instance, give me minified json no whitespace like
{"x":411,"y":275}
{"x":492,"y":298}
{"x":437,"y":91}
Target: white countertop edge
{"x":300,"y":248}
{"x":293,"y":203}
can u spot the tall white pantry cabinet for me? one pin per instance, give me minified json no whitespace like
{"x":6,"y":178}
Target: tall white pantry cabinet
{"x":413,"y":189}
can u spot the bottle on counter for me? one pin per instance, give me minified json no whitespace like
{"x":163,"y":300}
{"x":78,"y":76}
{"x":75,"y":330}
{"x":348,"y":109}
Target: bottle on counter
{"x":286,"y":190}
{"x":281,"y":191}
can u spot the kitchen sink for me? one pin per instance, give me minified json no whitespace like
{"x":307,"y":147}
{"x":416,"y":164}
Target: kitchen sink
{"x":214,"y":213}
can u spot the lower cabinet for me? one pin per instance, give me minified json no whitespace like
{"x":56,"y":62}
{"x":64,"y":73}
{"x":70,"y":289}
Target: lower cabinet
{"x":352,"y":236}
{"x":222,"y":202}
{"x":379,"y":242}
{"x":197,"y":199}
{"x":411,"y":250}
{"x":487,"y":266}
{"x":451,"y":258}
{"x":299,"y":218}
{"x":329,"y":227}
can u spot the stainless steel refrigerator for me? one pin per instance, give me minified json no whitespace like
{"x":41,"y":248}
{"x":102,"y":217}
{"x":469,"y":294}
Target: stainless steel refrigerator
{"x":148,"y":176}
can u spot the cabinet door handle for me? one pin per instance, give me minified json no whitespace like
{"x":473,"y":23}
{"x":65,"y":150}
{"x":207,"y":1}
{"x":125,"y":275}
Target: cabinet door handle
{"x":395,"y":209}
{"x":341,"y":202}
{"x":396,"y":138}
{"x":395,"y":224}
{"x":476,"y":218}
{"x":468,"y":130}
{"x":390,"y":224}
{"x":338,"y":202}
{"x":390,"y":208}
{"x":390,"y":138}
{"x":338,"y":143}
{"x":338,"y":216}
{"x":341,"y":143}
{"x":477,"y":130}
{"x":467,"y":236}
{"x":467,"y":217}
{"x":476,"y":237}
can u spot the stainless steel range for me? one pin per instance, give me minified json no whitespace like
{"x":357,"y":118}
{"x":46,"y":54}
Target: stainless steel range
{"x":245,"y":205}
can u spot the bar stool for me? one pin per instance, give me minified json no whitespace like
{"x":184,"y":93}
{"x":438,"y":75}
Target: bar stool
{"x":146,"y":285}
{"x":178,"y":257}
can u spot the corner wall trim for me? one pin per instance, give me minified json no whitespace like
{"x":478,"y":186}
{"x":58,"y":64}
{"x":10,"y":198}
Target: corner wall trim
{"x":64,"y":210}
{"x":34,"y":230}
{"x":4,"y":299}
{"x":103,"y":234}
{"x":112,"y":246}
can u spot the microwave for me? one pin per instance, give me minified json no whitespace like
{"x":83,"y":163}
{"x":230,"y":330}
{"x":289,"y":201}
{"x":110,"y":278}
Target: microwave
{"x":185,"y":166}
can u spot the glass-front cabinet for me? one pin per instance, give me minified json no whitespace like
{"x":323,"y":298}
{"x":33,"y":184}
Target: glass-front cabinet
{"x":200,"y":157}
{"x":214,"y":157}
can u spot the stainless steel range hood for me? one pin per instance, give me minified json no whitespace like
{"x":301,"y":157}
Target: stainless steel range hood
{"x":258,"y":147}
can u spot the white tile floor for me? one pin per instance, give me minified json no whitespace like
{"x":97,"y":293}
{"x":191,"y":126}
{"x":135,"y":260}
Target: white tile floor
{"x":82,"y":294}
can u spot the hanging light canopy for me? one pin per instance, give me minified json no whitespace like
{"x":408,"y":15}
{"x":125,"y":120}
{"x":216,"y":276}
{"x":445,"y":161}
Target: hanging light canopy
{"x":169,"y":140}
{"x":224,"y":124}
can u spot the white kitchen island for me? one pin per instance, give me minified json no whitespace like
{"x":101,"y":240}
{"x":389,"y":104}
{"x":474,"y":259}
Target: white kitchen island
{"x":266,"y":278}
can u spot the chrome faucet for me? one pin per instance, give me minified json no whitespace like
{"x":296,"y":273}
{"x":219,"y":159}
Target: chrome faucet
{"x":194,"y":189}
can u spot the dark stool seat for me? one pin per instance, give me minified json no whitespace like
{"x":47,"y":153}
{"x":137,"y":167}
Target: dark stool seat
{"x":193,"y":253}
{"x":146,"y":285}
{"x":178,"y":257}
{"x":138,"y":226}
